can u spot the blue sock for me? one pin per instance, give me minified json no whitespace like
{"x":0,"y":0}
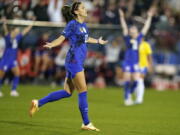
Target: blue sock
{"x":15,"y":82}
{"x":126,"y":89}
{"x":1,"y":82}
{"x":54,"y":96}
{"x":133,"y":86}
{"x":83,"y":107}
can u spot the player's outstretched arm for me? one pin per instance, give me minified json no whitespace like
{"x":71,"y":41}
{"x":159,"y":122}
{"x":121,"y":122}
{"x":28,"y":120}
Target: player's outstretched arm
{"x":55,"y":42}
{"x":27,"y":29}
{"x":123,"y":22}
{"x":5,"y":26}
{"x":97,"y":41}
{"x":148,"y":21}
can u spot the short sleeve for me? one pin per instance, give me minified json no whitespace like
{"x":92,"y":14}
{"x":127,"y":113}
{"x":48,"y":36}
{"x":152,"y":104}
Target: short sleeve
{"x":127,"y":39}
{"x":149,"y":50}
{"x":140,"y":36}
{"x":68,"y":30}
{"x":7,"y":36}
{"x":19,"y":37}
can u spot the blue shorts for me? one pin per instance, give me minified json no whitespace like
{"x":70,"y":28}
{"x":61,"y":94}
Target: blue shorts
{"x":130,"y":67}
{"x":143,"y":70}
{"x":6,"y":65}
{"x":72,"y":69}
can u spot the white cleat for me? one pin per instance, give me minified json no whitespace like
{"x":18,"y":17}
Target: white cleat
{"x":33,"y":108}
{"x":90,"y":126}
{"x":138,"y":102}
{"x":128,"y":102}
{"x":1,"y":94}
{"x":14,"y":93}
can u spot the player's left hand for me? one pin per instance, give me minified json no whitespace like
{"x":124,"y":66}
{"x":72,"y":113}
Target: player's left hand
{"x":101,"y":41}
{"x":48,"y":45}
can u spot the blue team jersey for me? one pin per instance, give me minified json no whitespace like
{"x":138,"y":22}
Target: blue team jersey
{"x":77,"y":35}
{"x":10,"y":53}
{"x":8,"y":60}
{"x":132,"y":53}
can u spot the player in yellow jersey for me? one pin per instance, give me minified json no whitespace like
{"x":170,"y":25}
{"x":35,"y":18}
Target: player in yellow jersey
{"x":145,"y":65}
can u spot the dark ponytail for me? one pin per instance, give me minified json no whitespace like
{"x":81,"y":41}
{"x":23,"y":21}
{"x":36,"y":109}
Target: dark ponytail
{"x":68,"y":11}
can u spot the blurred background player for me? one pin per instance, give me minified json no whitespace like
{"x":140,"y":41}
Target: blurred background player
{"x":9,"y":58}
{"x":132,"y":39}
{"x":42,"y":56}
{"x":77,"y":33}
{"x":145,"y":65}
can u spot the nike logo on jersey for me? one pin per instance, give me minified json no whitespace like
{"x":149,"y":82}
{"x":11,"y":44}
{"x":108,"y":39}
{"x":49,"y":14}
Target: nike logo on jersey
{"x":82,"y":30}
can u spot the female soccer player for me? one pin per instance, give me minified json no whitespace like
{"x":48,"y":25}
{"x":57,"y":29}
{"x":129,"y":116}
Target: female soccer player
{"x":145,"y":65}
{"x":132,"y":39}
{"x":77,"y":33}
{"x":9,"y":58}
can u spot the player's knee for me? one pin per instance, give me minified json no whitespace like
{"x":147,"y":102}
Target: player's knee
{"x":84,"y":87}
{"x":68,"y":91}
{"x":127,"y":79}
{"x":17,"y":73}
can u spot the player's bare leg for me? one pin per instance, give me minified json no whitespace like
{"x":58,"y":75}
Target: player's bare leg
{"x":1,"y":77}
{"x":80,"y":83}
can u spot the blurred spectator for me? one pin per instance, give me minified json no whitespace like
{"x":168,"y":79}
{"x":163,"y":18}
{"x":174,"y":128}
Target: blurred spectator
{"x":24,"y":62}
{"x":54,"y":10}
{"x":93,"y":61}
{"x":8,"y":10}
{"x":2,"y":45}
{"x":175,"y":4}
{"x":40,"y":11}
{"x":96,"y":13}
{"x":112,"y":52}
{"x":24,"y":2}
{"x":111,"y":14}
{"x":59,"y":62}
{"x":30,"y":15}
{"x":42,"y":56}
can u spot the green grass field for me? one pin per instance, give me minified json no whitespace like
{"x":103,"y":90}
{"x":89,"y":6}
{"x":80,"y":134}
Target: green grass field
{"x":159,"y":115}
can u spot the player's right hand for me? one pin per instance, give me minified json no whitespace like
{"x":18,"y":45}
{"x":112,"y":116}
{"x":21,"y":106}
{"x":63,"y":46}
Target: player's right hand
{"x":48,"y":45}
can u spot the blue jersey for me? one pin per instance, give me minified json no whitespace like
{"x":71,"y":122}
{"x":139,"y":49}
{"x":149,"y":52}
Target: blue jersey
{"x":132,"y":53}
{"x":8,"y":60}
{"x":77,"y":34}
{"x":10,"y":53}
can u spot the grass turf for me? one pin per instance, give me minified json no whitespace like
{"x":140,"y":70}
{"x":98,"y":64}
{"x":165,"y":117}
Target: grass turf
{"x":159,"y":115}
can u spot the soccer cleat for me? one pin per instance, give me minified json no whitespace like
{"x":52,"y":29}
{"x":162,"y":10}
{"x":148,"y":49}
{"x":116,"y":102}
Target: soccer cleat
{"x":14,"y":93}
{"x":90,"y":126}
{"x":138,"y":102}
{"x":128,"y":102}
{"x":34,"y":107}
{"x":1,"y":94}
